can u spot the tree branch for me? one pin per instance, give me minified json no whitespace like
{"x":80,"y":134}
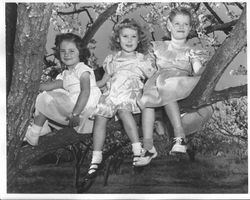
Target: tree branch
{"x":219,"y":27}
{"x":216,"y":96}
{"x":197,"y":7}
{"x":216,"y":16}
{"x":50,"y":143}
{"x":98,"y":22}
{"x":215,"y":67}
{"x":90,"y":18}
{"x":239,"y":5}
{"x":82,"y":9}
{"x":213,"y":13}
{"x":232,"y":92}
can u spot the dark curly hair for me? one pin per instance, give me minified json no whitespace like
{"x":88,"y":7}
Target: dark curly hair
{"x":84,"y":52}
{"x":129,"y":23}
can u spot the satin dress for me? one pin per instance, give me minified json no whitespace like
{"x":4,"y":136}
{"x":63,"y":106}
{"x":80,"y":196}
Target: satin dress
{"x":175,"y":80}
{"x":125,"y":85}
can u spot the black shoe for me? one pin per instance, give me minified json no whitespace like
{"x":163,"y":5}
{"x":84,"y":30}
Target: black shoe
{"x":24,"y":144}
{"x":95,"y":167}
{"x":89,"y":178}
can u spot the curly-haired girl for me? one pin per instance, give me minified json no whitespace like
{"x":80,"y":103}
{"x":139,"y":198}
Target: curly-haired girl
{"x":128,"y":67}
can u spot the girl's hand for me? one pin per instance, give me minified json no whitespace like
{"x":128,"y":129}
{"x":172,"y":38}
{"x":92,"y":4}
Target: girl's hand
{"x":74,"y":120}
{"x":104,"y":80}
{"x":107,"y":76}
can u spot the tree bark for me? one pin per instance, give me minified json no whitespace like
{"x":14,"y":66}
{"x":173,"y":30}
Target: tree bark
{"x":11,"y":18}
{"x":31,"y":34}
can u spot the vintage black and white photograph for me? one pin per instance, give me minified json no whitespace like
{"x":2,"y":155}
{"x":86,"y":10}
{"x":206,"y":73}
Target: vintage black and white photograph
{"x":116,"y":98}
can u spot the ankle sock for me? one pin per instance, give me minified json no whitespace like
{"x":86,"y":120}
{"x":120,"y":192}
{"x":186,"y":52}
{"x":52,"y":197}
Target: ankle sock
{"x":35,"y":129}
{"x":136,"y":148}
{"x":148,"y":143}
{"x":96,"y":157}
{"x":179,"y":132}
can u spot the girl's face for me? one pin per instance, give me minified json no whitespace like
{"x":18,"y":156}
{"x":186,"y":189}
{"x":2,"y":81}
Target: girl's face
{"x":128,"y":39}
{"x":179,"y":27}
{"x":69,"y":53}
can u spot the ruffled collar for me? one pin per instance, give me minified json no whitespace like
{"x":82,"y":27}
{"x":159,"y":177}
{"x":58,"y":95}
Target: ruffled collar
{"x":138,"y":56}
{"x":170,"y":46}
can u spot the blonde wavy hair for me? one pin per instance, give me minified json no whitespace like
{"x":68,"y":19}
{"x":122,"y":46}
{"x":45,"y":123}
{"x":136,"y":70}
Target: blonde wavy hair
{"x":133,"y":24}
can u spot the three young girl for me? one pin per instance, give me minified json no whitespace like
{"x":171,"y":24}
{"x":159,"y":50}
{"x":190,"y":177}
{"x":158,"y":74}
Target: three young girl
{"x":178,"y":68}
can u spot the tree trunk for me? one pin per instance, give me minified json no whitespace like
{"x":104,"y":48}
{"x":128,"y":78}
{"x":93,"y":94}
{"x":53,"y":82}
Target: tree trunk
{"x":31,"y":34}
{"x":11,"y":18}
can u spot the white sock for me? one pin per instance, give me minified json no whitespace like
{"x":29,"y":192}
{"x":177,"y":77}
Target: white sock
{"x":96,"y":157}
{"x":35,"y":129}
{"x":148,"y":143}
{"x":136,"y":148}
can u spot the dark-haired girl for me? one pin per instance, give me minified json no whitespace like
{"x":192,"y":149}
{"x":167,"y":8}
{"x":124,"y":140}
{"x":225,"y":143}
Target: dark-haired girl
{"x":72,"y":97}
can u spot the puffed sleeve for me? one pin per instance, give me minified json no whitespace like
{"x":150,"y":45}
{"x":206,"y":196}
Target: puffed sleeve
{"x":147,"y":65}
{"x":81,"y":68}
{"x":60,"y":76}
{"x":200,"y":55}
{"x":154,"y":50}
{"x":108,"y":65}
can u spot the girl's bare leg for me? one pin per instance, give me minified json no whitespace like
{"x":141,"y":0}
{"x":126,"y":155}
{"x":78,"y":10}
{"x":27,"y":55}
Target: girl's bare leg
{"x":129,"y":125}
{"x":99,"y":133}
{"x":33,"y":132}
{"x":173,"y":112}
{"x":132,"y":132}
{"x":148,"y":119}
{"x":40,"y":119}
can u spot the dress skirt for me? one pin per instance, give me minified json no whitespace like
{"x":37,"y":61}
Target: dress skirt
{"x":165,"y":86}
{"x":57,"y":105}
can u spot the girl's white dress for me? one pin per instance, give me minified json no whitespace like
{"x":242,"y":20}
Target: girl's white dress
{"x":58,"y":104}
{"x":125,"y":85}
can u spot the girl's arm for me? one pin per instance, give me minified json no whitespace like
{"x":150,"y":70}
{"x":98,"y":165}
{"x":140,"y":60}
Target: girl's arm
{"x":82,"y":99}
{"x":84,"y":93}
{"x":198,"y":59}
{"x":51,"y":85}
{"x":104,"y":80}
